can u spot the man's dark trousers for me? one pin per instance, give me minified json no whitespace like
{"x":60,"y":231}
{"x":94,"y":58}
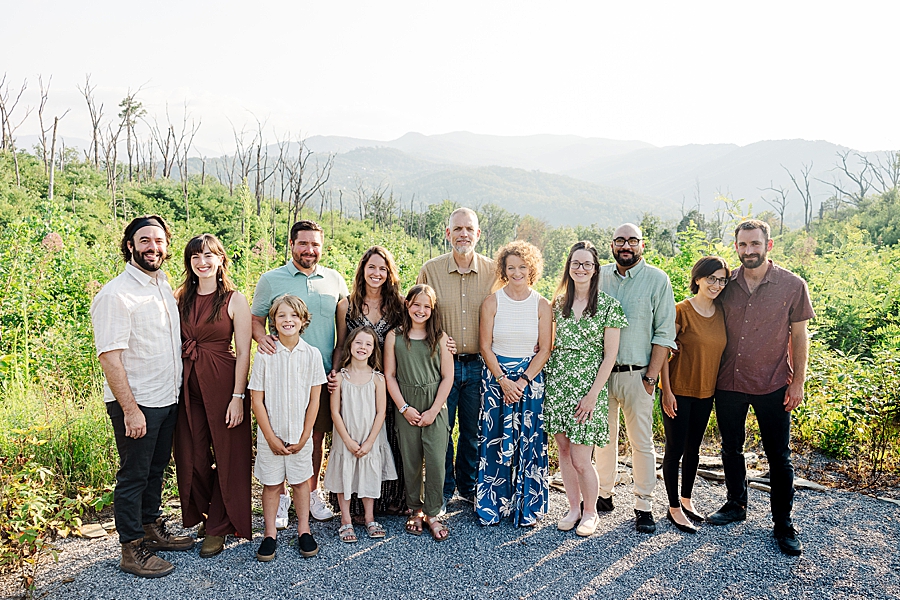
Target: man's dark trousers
{"x":775,"y":431}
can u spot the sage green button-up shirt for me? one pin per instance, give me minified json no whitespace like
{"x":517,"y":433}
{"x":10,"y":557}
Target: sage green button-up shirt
{"x":645,"y":293}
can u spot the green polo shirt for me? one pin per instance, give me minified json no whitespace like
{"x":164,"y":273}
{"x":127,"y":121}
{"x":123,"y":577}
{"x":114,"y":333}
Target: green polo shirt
{"x":321,"y":292}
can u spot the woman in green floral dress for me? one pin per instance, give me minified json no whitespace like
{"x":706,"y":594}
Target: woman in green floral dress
{"x":576,"y":402}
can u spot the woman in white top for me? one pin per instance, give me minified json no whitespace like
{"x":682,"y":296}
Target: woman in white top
{"x":515,"y":321}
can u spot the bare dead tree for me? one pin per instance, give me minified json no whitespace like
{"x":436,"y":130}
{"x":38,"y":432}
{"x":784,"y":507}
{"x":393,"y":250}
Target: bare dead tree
{"x":802,"y":187}
{"x":42,"y":105}
{"x":96,"y":114}
{"x":183,"y":142}
{"x":53,"y":156}
{"x":305,"y":179}
{"x":109,"y":144}
{"x":166,"y":142}
{"x":778,"y":203}
{"x":263,"y":172}
{"x":862,"y":180}
{"x":132,"y":110}
{"x":9,"y":101}
{"x":885,"y":170}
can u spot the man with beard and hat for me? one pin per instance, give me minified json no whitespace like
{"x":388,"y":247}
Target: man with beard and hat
{"x":764,"y":366}
{"x":138,"y":340}
{"x":645,"y":293}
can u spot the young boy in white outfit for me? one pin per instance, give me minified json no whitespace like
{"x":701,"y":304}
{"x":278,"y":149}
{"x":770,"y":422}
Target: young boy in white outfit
{"x":284,"y":390}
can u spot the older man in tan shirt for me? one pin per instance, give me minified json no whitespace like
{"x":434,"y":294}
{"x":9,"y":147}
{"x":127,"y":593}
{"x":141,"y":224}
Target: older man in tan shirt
{"x":462,"y":280}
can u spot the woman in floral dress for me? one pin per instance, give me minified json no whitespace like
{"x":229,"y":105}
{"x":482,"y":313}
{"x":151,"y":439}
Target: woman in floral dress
{"x":576,"y":404}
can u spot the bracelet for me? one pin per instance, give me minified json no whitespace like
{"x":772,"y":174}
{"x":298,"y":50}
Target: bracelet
{"x":241,"y":396}
{"x":404,"y":408}
{"x":501,"y":378}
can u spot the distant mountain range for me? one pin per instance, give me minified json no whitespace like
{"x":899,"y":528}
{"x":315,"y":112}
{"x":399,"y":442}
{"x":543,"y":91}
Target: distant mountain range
{"x":549,"y":176}
{"x":568,"y":179}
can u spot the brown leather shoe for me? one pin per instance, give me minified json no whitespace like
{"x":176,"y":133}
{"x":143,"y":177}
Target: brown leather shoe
{"x":212,"y":545}
{"x":141,"y":561}
{"x":156,"y":537}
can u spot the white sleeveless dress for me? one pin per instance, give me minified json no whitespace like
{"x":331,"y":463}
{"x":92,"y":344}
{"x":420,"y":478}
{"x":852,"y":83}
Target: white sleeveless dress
{"x":347,"y":474}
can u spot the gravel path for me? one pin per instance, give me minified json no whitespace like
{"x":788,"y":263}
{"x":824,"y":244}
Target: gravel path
{"x":851,"y":551}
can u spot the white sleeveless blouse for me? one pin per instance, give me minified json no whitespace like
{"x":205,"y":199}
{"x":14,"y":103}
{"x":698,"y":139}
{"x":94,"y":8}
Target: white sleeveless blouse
{"x":515,"y":325}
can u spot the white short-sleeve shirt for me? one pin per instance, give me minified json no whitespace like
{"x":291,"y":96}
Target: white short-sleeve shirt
{"x":138,"y":314}
{"x":287,"y":377}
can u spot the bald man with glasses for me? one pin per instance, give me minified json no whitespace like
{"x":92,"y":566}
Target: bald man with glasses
{"x":645,"y":293}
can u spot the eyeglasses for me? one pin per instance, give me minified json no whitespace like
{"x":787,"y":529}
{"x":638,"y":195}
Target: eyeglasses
{"x":587,"y":266}
{"x":633,"y":242}
{"x":713,"y":280}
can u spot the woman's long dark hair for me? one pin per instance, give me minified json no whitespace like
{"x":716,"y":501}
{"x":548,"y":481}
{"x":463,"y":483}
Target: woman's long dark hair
{"x":565,"y":291}
{"x":391,"y":300}
{"x":187,"y":291}
{"x":433,"y":327}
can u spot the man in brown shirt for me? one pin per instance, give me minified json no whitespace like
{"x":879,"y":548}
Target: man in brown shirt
{"x":764,"y":366}
{"x":462,"y":280}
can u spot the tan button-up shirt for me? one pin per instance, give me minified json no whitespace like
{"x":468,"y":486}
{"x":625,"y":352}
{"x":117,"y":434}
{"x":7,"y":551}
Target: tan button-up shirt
{"x":460,"y":296}
{"x":137,"y":313}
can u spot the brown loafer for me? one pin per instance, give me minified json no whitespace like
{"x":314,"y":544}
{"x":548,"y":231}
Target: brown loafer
{"x":212,"y":545}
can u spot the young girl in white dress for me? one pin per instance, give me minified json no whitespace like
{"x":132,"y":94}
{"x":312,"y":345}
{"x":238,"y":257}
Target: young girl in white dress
{"x":360,"y":456}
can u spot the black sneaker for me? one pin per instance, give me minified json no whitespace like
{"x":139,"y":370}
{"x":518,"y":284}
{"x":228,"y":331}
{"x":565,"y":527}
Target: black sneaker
{"x":787,"y":541}
{"x":308,"y":546}
{"x":730,"y":512}
{"x":643,"y":521}
{"x":604,"y":504}
{"x":266,"y":550}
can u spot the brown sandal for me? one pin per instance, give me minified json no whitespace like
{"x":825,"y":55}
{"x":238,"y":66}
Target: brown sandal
{"x":414,"y":523}
{"x":438,"y":530}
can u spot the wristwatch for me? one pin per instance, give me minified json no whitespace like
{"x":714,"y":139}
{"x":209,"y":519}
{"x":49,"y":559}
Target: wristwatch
{"x":651,"y":380}
{"x":525,"y":376}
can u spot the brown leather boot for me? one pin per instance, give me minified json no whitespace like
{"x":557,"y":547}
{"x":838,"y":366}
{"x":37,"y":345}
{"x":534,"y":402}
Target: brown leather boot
{"x":156,"y":537}
{"x":140,"y":560}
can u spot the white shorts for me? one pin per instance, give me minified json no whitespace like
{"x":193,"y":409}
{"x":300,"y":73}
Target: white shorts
{"x":272,"y":469}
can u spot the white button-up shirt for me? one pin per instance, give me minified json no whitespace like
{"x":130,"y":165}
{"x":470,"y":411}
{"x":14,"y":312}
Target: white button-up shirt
{"x":137,"y":313}
{"x":287,"y":377}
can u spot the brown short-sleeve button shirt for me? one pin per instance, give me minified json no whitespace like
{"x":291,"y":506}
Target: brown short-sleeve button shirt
{"x":757,"y":354}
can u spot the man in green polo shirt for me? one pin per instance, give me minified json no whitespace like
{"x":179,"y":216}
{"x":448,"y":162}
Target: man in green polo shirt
{"x":321,"y":289}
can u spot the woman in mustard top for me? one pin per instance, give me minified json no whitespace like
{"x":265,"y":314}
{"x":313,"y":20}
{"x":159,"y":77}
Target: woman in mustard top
{"x":689,"y":384}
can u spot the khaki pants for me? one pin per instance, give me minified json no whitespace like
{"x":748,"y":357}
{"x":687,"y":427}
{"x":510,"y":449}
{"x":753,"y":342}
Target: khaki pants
{"x":626,"y":391}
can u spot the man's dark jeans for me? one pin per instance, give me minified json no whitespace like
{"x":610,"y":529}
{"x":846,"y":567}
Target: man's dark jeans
{"x":775,"y":431}
{"x":142,"y":462}
{"x":464,"y":400}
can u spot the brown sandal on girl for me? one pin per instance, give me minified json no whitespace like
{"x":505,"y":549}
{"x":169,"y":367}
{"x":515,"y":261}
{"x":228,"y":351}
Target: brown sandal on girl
{"x":438,"y":530}
{"x":414,"y":523}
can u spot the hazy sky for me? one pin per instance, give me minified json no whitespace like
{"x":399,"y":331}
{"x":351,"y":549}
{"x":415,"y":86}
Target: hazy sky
{"x":662,"y":72}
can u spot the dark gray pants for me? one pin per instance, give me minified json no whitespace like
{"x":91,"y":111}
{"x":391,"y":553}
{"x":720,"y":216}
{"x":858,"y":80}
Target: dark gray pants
{"x":142,"y":463}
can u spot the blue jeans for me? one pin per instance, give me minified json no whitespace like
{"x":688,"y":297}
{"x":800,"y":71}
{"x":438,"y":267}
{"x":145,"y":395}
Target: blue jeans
{"x":464,"y":400}
{"x":775,"y":431}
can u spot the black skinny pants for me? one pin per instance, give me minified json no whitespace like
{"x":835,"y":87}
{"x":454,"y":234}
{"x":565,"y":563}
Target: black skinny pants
{"x":684,"y":434}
